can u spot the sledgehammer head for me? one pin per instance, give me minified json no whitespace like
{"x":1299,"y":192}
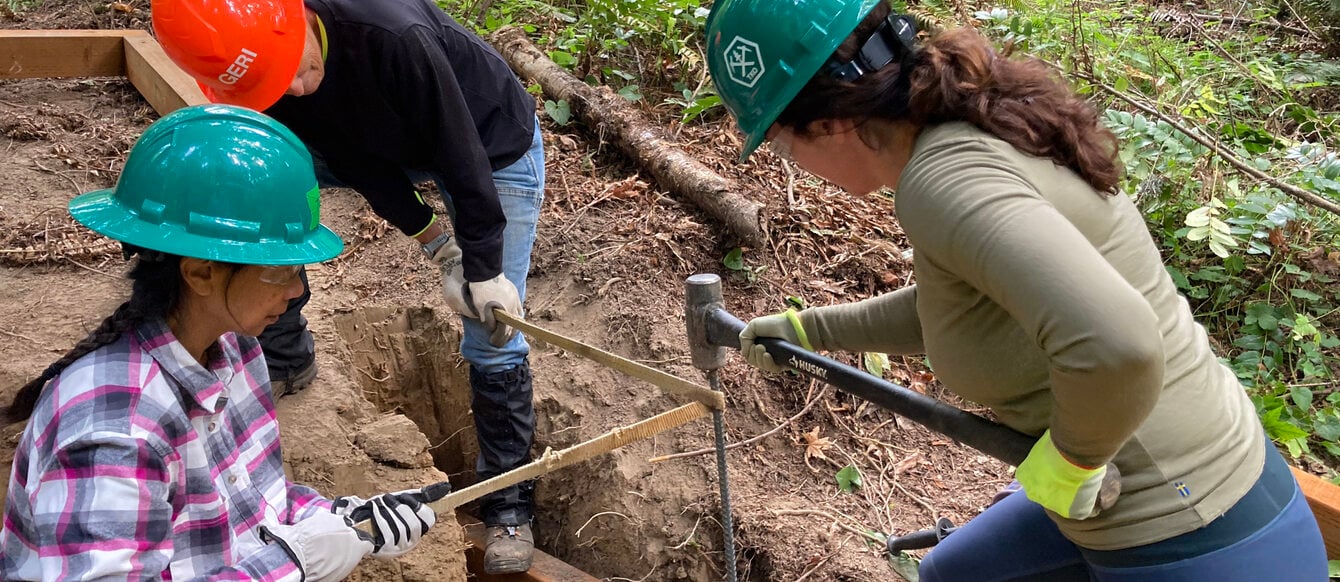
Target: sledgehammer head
{"x":702,"y":294}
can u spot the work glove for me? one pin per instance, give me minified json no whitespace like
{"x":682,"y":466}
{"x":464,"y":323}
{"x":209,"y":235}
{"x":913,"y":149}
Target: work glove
{"x":477,"y":299}
{"x":483,"y":296}
{"x":1071,"y":491}
{"x":324,"y":546}
{"x":399,"y":519}
{"x":448,"y":258}
{"x":785,"y":325}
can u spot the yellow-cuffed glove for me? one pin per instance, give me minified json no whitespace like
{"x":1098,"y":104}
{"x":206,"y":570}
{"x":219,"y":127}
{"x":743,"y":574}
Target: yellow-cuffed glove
{"x":1052,"y":481}
{"x":785,"y":325}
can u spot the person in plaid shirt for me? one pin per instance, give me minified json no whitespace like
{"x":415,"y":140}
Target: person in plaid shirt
{"x":152,"y":448}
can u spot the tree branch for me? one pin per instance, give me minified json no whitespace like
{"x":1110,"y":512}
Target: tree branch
{"x":1299,"y":194}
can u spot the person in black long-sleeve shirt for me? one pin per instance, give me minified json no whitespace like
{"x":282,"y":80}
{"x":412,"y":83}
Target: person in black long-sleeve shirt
{"x":387,"y":94}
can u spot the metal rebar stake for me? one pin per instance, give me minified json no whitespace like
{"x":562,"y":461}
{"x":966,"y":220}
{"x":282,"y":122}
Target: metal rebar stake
{"x":702,"y":293}
{"x":727,"y":525}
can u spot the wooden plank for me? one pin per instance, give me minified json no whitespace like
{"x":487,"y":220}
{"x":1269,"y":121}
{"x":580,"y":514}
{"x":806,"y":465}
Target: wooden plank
{"x":544,"y":568}
{"x":162,"y":83}
{"x":1324,"y":498}
{"x":61,"y":53}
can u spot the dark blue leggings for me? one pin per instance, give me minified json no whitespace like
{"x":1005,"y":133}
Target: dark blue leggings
{"x":1016,"y":540}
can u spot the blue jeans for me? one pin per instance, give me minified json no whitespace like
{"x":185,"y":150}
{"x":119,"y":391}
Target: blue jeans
{"x":1016,"y":540}
{"x":521,"y":193}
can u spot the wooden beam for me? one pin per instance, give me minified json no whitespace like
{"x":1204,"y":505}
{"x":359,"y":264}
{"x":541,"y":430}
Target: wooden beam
{"x":544,"y":568}
{"x":1324,"y":498}
{"x":162,"y":83}
{"x":61,"y":53}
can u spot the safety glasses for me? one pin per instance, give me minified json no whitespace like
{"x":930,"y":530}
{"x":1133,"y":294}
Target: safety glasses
{"x":780,"y":144}
{"x":279,"y":275}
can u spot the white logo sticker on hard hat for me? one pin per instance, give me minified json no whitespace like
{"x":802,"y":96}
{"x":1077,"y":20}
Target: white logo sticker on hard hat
{"x":744,"y":63}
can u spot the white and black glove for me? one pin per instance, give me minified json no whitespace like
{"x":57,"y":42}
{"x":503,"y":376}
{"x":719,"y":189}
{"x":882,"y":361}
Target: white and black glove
{"x":324,"y":546}
{"x":399,"y":519}
{"x":476,"y":300}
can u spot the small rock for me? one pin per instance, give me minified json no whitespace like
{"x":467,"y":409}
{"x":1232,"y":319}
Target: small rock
{"x":395,"y":440}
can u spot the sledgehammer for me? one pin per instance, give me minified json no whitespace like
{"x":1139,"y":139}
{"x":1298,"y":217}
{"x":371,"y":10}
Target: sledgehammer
{"x":712,"y":329}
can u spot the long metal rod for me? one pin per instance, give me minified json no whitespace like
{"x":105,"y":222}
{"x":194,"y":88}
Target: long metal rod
{"x":727,"y":523}
{"x":997,"y":440}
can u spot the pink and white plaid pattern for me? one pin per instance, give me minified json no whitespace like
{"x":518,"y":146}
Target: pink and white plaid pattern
{"x":141,"y":464}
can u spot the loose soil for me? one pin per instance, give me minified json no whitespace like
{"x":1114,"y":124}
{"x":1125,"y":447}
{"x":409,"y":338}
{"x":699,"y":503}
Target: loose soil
{"x":608,"y":269}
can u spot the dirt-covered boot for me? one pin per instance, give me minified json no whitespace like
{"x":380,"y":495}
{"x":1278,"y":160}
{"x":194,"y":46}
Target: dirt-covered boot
{"x":508,"y":549}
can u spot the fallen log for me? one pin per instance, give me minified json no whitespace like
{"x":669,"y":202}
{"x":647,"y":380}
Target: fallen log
{"x":614,"y":118}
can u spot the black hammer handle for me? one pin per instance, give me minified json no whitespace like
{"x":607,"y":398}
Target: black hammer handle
{"x":997,"y":440}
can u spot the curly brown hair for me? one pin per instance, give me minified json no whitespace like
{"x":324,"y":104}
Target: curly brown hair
{"x":957,"y":76}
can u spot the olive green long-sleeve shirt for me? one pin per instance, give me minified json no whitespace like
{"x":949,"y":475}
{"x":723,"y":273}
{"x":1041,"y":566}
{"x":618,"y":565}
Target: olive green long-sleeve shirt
{"x":1048,"y":303}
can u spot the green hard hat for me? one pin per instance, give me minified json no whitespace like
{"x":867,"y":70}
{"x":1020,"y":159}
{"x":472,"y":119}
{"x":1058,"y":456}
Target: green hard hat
{"x":761,"y":53}
{"x":216,"y":182}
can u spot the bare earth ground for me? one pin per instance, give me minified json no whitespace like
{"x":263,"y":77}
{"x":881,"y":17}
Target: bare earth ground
{"x":609,"y":265}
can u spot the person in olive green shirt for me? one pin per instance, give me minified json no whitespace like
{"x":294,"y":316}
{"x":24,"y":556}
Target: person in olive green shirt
{"x":1040,"y":293}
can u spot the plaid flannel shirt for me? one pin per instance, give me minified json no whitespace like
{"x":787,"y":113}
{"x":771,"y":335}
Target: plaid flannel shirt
{"x":141,"y":464}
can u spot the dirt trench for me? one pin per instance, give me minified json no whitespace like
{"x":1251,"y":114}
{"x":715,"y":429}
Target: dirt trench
{"x":615,"y":516}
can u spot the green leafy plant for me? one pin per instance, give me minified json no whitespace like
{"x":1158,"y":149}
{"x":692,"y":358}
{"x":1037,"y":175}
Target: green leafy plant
{"x":848,"y":479}
{"x":734,"y":260}
{"x":627,"y":44}
{"x":906,"y":566}
{"x":693,"y":103}
{"x":631,"y":93}
{"x":875,"y":363}
{"x":559,"y":111}
{"x":1206,"y":225}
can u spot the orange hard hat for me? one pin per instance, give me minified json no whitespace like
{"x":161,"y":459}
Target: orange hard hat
{"x":241,"y":52}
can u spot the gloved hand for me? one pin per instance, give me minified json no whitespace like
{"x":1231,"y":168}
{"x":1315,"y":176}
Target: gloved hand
{"x":399,"y":519}
{"x":785,"y":325}
{"x":483,"y":296}
{"x":473,"y":299}
{"x":448,"y":257}
{"x":1072,"y":491}
{"x":324,"y":546}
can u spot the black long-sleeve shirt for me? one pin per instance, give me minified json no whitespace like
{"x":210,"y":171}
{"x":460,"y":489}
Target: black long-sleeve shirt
{"x":408,"y":88}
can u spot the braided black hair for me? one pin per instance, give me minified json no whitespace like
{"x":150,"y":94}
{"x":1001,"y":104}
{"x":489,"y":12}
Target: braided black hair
{"x":155,"y":292}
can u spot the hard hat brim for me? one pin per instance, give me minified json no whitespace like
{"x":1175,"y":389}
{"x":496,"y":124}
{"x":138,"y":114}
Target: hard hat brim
{"x":100,"y":212}
{"x":751,"y":143}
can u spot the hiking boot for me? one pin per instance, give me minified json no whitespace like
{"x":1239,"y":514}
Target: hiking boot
{"x":294,"y":383}
{"x":508,"y":549}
